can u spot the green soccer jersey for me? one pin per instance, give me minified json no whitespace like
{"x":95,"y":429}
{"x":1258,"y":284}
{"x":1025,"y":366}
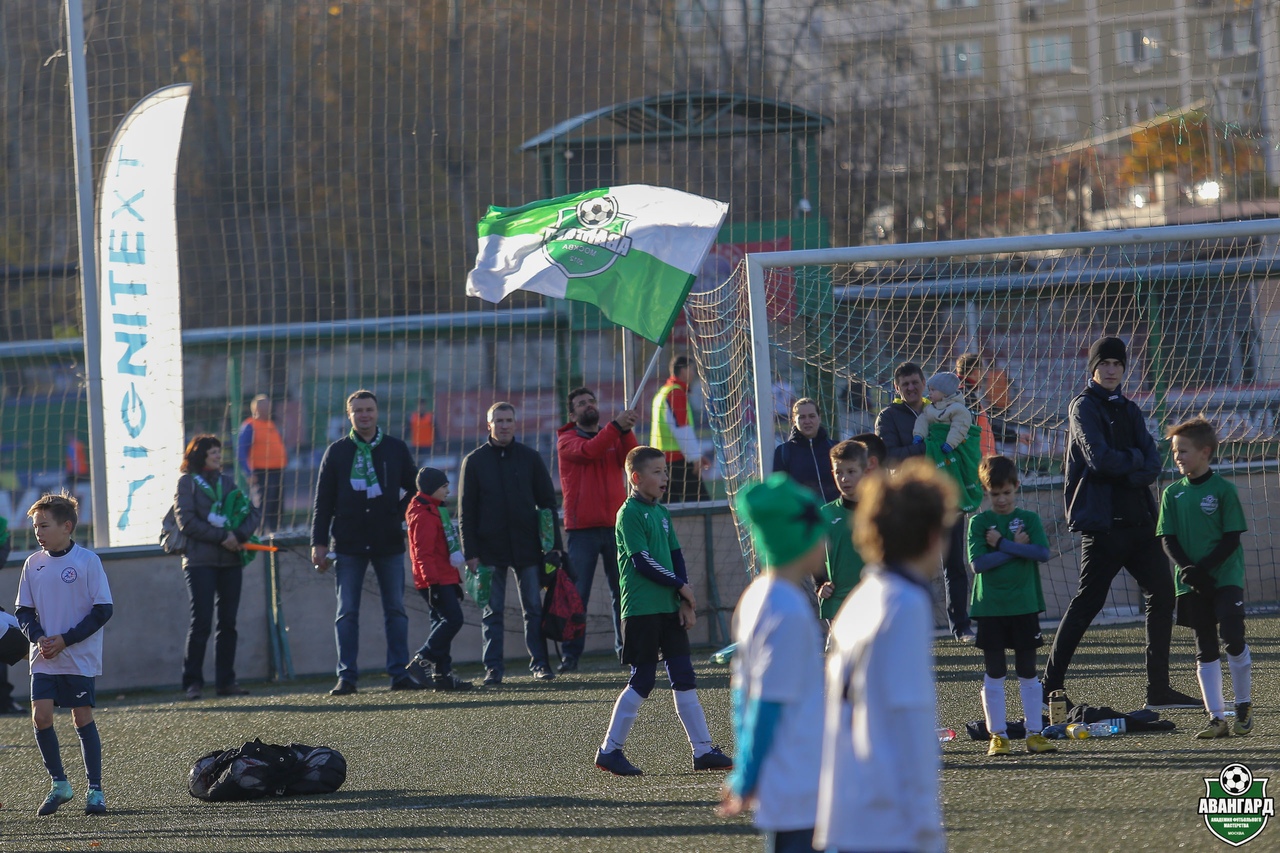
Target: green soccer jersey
{"x":1198,"y":515}
{"x":844,"y":563}
{"x":645,"y":527}
{"x":1012,"y":589}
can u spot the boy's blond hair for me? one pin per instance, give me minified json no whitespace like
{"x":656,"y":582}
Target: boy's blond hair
{"x":1199,"y":431}
{"x":997,"y":471}
{"x":61,"y":507}
{"x":896,"y":517}
{"x":642,"y":456}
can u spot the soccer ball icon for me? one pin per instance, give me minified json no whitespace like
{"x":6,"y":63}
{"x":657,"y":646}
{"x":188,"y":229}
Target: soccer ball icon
{"x":596,"y":212}
{"x":1236,"y":779}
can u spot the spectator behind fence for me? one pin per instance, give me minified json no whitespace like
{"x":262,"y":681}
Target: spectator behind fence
{"x":502,"y":487}
{"x":262,"y":458}
{"x":363,"y":488}
{"x":593,"y":480}
{"x":805,"y":455}
{"x":421,"y":430}
{"x":671,"y":430}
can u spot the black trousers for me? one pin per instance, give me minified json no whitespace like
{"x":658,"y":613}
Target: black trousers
{"x":1102,"y":556}
{"x":268,"y":487}
{"x":684,"y":483}
{"x":955,"y":578}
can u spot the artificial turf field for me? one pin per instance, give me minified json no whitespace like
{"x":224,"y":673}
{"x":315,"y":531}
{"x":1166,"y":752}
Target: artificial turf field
{"x":511,"y":768}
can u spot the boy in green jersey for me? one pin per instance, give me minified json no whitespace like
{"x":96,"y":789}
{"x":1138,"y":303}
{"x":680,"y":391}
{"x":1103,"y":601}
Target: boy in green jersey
{"x":1006,"y":546}
{"x":844,"y":563}
{"x":658,"y":609}
{"x":1200,"y":525}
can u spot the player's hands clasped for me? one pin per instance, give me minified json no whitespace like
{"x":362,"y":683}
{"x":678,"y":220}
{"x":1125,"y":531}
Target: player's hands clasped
{"x":51,"y":647}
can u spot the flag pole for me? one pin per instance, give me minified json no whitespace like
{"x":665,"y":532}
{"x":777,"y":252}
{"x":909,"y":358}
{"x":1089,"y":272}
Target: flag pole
{"x":648,"y":372}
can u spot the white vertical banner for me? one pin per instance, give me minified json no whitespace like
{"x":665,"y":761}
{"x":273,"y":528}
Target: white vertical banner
{"x":140,"y":320}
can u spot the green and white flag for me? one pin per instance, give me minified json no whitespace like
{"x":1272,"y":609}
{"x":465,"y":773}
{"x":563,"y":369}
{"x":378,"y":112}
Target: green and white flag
{"x":631,"y":251}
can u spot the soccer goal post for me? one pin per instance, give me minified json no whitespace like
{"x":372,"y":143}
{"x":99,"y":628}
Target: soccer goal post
{"x":1198,"y":304}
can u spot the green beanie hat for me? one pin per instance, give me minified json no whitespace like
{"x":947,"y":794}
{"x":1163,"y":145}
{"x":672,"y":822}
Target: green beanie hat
{"x":783,"y":516}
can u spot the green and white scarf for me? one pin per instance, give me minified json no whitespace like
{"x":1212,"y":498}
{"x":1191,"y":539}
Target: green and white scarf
{"x":364,"y":477}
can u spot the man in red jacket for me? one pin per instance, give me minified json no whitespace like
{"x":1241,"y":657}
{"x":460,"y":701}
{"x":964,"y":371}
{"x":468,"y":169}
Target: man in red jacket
{"x":592,"y":478}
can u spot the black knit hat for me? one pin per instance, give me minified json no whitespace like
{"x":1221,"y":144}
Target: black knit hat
{"x":430,"y":479}
{"x":1105,"y":348}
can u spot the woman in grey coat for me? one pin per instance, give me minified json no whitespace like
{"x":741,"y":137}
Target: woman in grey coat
{"x":211,"y":563}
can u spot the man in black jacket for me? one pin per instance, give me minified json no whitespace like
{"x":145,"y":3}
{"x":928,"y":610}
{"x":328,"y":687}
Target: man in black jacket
{"x":896,"y":425}
{"x":806,"y":454}
{"x":365,"y":483}
{"x":502,"y":486}
{"x":1111,"y":463}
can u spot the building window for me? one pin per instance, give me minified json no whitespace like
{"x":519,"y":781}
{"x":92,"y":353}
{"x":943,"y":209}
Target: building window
{"x":960,"y":58}
{"x":1057,"y":121}
{"x":1229,"y":37}
{"x":1236,"y":105}
{"x":1049,"y":54}
{"x":957,"y":4}
{"x":1135,"y":47}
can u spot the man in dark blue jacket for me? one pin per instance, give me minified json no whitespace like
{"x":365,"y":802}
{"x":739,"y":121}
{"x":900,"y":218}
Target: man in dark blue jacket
{"x":362,"y":490}
{"x":896,"y":425}
{"x":806,"y":454}
{"x":1111,"y":463}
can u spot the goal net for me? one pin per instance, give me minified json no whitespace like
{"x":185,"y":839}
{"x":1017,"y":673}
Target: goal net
{"x":1198,"y":305}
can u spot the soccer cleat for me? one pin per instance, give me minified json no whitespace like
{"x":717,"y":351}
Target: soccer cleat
{"x":542,"y":672}
{"x":1038,"y":743}
{"x":999,"y":745}
{"x":449,"y":681}
{"x":58,"y":794}
{"x":712,"y":760}
{"x":1165,"y":698}
{"x":616,"y":763}
{"x":1215,"y":728}
{"x":568,"y":664}
{"x":492,"y":678}
{"x":343,"y":688}
{"x":1244,"y":719}
{"x":95,"y":802}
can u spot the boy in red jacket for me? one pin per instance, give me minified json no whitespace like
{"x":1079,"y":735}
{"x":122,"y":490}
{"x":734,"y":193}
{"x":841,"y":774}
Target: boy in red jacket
{"x":436,"y":558}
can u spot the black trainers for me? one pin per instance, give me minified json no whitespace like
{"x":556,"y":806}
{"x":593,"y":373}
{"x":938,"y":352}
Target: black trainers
{"x":542,"y":672}
{"x":420,"y":669}
{"x":449,"y":681}
{"x":568,"y":663}
{"x":1164,"y":698}
{"x":343,"y":688}
{"x":616,"y":763}
{"x":406,"y":683}
{"x":713,"y":760}
{"x":492,"y":678}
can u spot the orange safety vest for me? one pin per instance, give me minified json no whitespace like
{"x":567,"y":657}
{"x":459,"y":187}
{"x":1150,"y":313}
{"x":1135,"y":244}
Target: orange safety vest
{"x":267,"y":452}
{"x":422,"y":430}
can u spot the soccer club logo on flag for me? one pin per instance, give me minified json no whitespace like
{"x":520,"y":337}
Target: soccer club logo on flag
{"x":632,"y":251}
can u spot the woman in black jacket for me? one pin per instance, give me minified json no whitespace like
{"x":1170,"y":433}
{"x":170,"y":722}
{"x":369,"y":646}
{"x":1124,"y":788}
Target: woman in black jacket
{"x":212,"y":563}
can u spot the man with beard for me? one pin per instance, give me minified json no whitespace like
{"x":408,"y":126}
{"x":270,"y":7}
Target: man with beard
{"x":592,"y":478}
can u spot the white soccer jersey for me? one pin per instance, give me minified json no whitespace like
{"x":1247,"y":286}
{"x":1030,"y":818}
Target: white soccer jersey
{"x":779,"y":659}
{"x":880,"y":760}
{"x":63,"y":590}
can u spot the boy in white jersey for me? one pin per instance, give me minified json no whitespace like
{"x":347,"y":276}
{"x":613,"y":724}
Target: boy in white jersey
{"x":63,"y":602}
{"x":878,"y":789}
{"x":1200,"y":525}
{"x":777,"y":667}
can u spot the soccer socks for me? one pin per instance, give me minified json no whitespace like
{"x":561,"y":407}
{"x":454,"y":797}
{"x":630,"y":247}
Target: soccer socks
{"x":91,"y":751}
{"x":624,"y":717}
{"x":1241,"y":666}
{"x":1032,"y":692}
{"x":1210,"y":677}
{"x":993,"y":704}
{"x":694,"y":720}
{"x":47,"y":740}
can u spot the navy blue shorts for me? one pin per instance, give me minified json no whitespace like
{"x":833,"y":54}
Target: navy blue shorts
{"x":653,"y":637}
{"x":1009,"y":632}
{"x":66,"y":691}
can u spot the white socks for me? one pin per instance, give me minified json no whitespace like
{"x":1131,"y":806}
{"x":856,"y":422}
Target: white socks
{"x":1032,"y":695}
{"x":693,"y":719}
{"x":1241,"y":675}
{"x":624,"y":717}
{"x":1210,"y":677}
{"x":993,"y":705}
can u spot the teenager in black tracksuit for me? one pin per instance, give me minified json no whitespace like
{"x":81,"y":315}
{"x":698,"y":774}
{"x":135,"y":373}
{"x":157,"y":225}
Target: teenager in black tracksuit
{"x":1111,"y":463}
{"x":896,"y":425}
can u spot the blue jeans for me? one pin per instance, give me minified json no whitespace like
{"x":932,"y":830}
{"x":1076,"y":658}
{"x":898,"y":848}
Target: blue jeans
{"x":349,"y":571}
{"x":446,"y":621}
{"x":491,"y":626}
{"x":205,"y":586}
{"x":585,"y":546}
